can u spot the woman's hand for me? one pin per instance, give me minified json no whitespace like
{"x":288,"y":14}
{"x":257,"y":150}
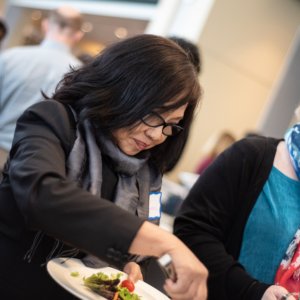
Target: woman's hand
{"x":276,"y":292}
{"x":191,"y":273}
{"x":134,"y":271}
{"x":191,"y":276}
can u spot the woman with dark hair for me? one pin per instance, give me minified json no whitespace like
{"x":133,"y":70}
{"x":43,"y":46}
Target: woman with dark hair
{"x":84,"y":173}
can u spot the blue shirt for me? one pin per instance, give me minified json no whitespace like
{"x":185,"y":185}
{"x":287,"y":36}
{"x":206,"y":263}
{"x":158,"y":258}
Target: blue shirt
{"x":271,"y":226}
{"x":24,"y":72}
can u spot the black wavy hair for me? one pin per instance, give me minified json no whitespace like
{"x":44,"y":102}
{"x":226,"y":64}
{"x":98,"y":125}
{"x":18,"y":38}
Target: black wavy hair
{"x":130,"y":79}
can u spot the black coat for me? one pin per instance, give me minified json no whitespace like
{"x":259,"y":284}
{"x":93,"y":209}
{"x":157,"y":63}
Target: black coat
{"x":212,"y":218}
{"x":36,"y":194}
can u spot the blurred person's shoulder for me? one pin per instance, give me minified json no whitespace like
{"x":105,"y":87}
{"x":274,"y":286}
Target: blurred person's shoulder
{"x":17,"y":52}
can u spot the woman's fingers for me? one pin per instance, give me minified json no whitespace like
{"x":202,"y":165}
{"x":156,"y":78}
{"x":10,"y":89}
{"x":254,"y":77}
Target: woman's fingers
{"x":276,"y":292}
{"x":134,"y":271}
{"x":193,"y":290}
{"x":191,"y":281}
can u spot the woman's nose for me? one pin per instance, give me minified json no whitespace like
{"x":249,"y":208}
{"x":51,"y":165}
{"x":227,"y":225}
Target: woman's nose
{"x":155,"y":133}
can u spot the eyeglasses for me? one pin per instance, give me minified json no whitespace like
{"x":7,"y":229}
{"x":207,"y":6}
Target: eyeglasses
{"x":155,"y":120}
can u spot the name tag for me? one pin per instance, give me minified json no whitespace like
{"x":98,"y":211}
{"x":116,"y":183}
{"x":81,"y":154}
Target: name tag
{"x":154,"y":206}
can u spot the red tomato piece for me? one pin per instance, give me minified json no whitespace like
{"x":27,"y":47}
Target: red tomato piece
{"x":128,"y":284}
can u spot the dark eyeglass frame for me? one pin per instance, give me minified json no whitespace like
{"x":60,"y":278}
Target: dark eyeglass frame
{"x":164,"y":124}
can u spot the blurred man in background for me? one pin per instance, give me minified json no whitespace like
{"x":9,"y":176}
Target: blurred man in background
{"x":28,"y":70}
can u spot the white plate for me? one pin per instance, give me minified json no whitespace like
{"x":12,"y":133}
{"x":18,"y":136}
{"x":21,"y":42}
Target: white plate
{"x":60,"y":270}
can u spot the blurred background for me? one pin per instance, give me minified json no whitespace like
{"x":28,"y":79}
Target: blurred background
{"x":250,"y":53}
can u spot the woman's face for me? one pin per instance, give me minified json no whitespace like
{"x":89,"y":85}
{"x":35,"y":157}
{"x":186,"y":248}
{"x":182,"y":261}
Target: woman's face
{"x":132,"y":140}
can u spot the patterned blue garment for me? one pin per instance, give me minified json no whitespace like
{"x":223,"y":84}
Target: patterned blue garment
{"x":292,"y":139}
{"x":288,"y":273}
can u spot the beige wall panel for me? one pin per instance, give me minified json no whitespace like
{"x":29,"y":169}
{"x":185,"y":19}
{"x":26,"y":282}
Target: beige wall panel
{"x":231,"y":101}
{"x":2,"y":7}
{"x":252,"y":36}
{"x":243,"y":45}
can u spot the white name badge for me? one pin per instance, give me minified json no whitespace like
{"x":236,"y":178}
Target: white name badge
{"x":154,"y":206}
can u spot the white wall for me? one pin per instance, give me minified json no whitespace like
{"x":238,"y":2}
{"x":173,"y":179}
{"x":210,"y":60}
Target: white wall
{"x":183,"y":18}
{"x":243,"y":45}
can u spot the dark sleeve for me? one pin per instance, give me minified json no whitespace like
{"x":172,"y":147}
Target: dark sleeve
{"x":48,"y":200}
{"x":208,"y":214}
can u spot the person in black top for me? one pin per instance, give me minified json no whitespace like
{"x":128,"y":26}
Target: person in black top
{"x":240,"y":217}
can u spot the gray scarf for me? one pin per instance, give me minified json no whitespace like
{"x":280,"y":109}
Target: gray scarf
{"x":136,"y":178}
